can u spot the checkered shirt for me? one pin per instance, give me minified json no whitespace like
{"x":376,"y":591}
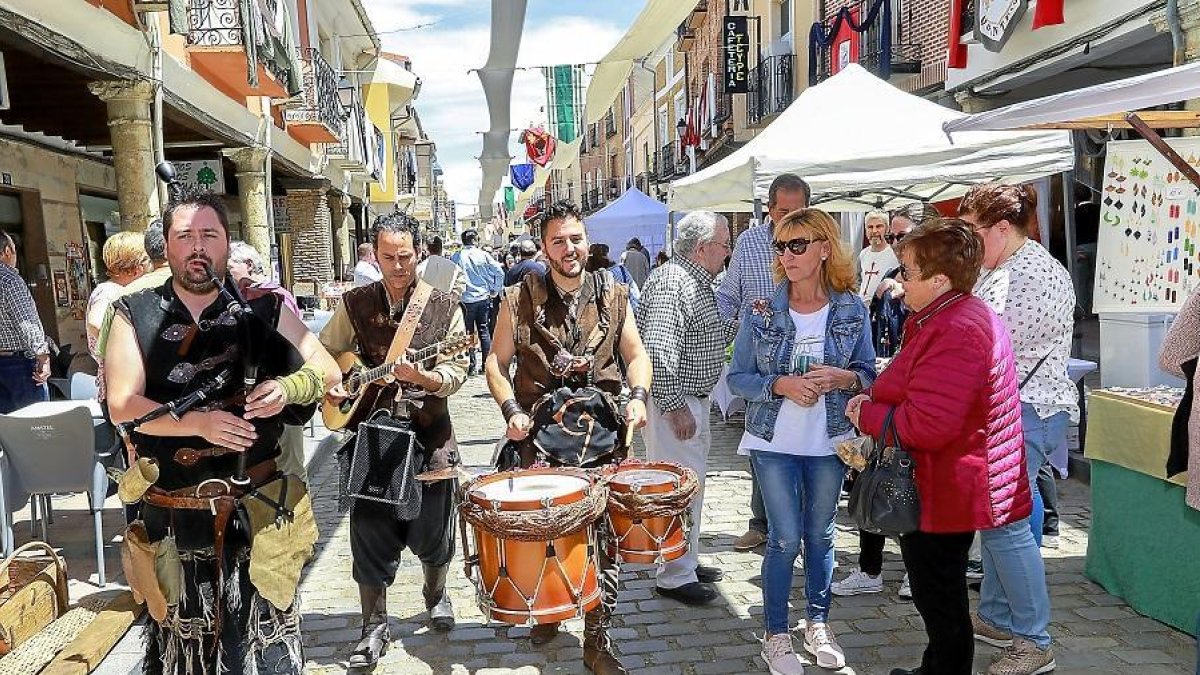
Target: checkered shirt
{"x":748,"y":277}
{"x":20,"y":326}
{"x":678,"y":321}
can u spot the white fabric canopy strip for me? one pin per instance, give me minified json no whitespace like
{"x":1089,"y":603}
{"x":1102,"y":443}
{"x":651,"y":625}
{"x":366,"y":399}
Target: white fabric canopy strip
{"x":856,"y":159}
{"x":656,"y":22}
{"x":1135,"y":93}
{"x":508,"y":22}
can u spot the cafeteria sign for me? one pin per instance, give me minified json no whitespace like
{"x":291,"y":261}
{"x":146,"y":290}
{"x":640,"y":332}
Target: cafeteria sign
{"x":737,"y":50}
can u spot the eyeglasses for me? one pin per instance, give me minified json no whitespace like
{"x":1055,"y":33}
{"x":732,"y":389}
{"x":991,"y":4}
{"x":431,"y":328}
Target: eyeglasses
{"x":723,"y":244}
{"x":797,"y":246}
{"x":893,"y":238}
{"x":909,"y":274}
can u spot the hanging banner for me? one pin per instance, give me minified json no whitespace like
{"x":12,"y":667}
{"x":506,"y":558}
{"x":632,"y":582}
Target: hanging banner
{"x":737,"y":54}
{"x":510,"y":199}
{"x":521,"y":175}
{"x":564,"y":104}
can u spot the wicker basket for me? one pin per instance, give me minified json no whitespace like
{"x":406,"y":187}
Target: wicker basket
{"x":33,"y":593}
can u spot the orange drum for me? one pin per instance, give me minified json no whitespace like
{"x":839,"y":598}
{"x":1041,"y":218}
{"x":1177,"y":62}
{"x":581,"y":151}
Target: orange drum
{"x":528,"y":582}
{"x":649,"y":540}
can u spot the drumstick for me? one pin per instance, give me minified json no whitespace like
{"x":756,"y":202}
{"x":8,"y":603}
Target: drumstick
{"x":629,"y":435}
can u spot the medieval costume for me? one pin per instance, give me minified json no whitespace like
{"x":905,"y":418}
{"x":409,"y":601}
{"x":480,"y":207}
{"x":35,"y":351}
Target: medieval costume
{"x":222,"y":596}
{"x":366,"y":322}
{"x":566,"y":354}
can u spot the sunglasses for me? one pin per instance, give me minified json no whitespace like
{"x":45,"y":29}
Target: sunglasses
{"x":893,"y":238}
{"x":797,"y":246}
{"x":908,"y":274}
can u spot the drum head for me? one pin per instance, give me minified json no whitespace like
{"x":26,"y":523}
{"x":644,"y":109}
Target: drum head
{"x":638,"y":478}
{"x":534,"y":487}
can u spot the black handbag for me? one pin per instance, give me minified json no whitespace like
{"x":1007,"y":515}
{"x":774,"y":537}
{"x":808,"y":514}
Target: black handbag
{"x":884,"y":499}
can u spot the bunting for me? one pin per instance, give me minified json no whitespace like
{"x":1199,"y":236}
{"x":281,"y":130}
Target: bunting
{"x":819,"y":40}
{"x":1048,"y":13}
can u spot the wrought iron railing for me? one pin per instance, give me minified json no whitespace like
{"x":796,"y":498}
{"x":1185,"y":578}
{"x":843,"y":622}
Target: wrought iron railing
{"x":610,"y":124}
{"x":904,"y":59}
{"x":967,"y":18}
{"x":666,"y":161}
{"x":593,"y":136}
{"x":214,"y":23}
{"x":321,"y":103}
{"x":770,"y":88}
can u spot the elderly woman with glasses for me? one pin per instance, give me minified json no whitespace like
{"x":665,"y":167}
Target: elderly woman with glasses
{"x":949,"y":397}
{"x":798,"y":358}
{"x":125,"y":260}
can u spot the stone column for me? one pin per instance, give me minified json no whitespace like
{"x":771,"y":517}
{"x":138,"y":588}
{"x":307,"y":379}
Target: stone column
{"x":311,"y":227}
{"x":132,"y":135}
{"x":339,"y":207}
{"x":251,"y":173}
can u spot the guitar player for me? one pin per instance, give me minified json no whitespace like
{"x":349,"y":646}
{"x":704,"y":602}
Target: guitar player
{"x":366,"y":322}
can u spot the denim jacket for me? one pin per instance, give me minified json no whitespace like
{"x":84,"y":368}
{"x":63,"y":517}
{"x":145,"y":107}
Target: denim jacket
{"x":762,"y":353}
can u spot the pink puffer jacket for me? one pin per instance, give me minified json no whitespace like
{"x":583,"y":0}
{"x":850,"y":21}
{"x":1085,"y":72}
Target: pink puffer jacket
{"x":954,"y":386}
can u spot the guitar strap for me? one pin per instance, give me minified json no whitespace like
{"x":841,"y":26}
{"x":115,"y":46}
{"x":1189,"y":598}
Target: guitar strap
{"x":407,"y":326}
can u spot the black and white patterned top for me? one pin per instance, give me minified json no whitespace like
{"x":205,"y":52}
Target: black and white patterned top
{"x":678,"y":321}
{"x":20,"y":327}
{"x":1033,"y":293}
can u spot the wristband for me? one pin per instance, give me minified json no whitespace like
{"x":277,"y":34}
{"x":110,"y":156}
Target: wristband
{"x":510,"y":409}
{"x":303,"y":386}
{"x":639,"y":393}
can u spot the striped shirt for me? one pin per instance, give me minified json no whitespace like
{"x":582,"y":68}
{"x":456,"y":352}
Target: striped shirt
{"x":20,"y":327}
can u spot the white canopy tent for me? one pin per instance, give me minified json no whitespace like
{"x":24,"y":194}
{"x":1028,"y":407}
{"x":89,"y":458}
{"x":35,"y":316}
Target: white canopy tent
{"x":1143,"y":91}
{"x":863,"y":144}
{"x":634,"y":214}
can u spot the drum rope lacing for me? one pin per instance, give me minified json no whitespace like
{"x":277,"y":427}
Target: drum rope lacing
{"x":545,"y":524}
{"x":640,"y":506}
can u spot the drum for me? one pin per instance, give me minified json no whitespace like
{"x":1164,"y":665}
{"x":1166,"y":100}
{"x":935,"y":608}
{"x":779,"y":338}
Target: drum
{"x":646,"y":536}
{"x":527,"y":582}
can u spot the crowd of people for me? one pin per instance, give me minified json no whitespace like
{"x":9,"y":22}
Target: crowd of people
{"x":947,"y":337}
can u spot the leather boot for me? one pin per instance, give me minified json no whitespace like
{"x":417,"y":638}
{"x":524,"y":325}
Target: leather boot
{"x":375,"y":635}
{"x":597,"y":649}
{"x":437,"y":600}
{"x":543,"y":633}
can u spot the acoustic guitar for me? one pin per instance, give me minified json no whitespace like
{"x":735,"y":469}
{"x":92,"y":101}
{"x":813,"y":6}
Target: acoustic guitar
{"x":364,"y":384}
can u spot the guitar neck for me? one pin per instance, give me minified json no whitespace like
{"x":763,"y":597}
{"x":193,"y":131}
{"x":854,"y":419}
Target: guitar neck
{"x":381,"y":371}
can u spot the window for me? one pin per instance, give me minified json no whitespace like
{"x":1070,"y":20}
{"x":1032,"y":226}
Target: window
{"x":785,"y":18}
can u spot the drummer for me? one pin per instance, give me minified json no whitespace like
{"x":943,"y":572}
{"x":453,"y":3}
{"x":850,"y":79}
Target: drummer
{"x":565,"y":330}
{"x":365,"y":321}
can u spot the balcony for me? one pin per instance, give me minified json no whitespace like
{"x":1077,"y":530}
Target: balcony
{"x":696,"y":18}
{"x":320,"y":117}
{"x":770,"y":89}
{"x":904,"y":59}
{"x":666,"y":162}
{"x":593,"y":135}
{"x":123,"y":10}
{"x":350,"y":152}
{"x":685,"y":38}
{"x":610,"y":124}
{"x":217,"y":48}
{"x":615,"y":188}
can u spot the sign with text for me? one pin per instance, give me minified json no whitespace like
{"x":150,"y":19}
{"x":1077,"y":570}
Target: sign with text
{"x":995,"y":21}
{"x":737,"y":54}
{"x":203,"y":174}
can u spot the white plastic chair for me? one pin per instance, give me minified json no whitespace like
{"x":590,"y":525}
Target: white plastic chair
{"x":83,"y":387}
{"x":49,"y":448}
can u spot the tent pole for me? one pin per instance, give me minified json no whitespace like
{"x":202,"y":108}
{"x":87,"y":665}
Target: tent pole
{"x":1068,"y":188}
{"x":670,"y":233}
{"x":758,"y":211}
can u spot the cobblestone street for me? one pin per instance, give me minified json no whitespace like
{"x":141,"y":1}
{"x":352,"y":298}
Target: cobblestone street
{"x":1093,"y":631}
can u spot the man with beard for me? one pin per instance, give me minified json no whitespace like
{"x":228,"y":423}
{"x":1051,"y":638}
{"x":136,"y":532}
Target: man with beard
{"x":878,"y":258}
{"x":565,"y":330}
{"x":220,"y":602}
{"x":365,"y":322}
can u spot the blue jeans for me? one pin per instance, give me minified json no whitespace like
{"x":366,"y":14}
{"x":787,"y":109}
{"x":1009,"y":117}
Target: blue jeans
{"x":1013,"y":596}
{"x":800,"y":495}
{"x":17,"y":388}
{"x":475,"y":316}
{"x":1042,"y":436}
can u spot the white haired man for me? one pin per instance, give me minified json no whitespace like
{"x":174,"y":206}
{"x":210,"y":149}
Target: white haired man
{"x":878,"y":258}
{"x":677,"y":314}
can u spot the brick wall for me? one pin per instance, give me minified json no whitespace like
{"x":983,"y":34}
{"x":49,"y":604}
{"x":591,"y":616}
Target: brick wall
{"x":312,"y":240}
{"x":921,"y":22}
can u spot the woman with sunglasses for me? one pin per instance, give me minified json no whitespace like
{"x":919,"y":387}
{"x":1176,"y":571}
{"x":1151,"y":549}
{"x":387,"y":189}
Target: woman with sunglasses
{"x":951,"y":397}
{"x":798,"y":358}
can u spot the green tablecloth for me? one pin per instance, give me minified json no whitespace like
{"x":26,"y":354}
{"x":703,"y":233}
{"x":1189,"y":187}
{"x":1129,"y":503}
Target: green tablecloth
{"x":1145,"y":541}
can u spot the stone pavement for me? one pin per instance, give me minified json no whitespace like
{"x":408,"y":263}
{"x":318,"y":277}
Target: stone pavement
{"x":1094,"y":631}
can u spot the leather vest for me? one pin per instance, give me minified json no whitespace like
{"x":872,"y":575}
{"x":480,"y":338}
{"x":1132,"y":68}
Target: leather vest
{"x":375,"y":321}
{"x":543,"y":326}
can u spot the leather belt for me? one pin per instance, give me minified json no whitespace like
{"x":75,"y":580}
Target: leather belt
{"x":190,"y":456}
{"x":220,"y":498}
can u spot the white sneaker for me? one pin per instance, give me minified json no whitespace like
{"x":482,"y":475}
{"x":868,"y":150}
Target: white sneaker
{"x":780,"y":657}
{"x":819,"y":641}
{"x":905,"y":589}
{"x":858,"y":583}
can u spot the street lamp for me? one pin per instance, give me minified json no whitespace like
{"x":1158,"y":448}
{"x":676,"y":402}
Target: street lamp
{"x":681,"y":131}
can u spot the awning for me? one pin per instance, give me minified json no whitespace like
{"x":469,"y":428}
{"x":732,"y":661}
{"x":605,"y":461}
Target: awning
{"x":402,"y":83}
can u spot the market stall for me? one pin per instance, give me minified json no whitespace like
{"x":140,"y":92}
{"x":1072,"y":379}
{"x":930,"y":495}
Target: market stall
{"x":1144,"y":540}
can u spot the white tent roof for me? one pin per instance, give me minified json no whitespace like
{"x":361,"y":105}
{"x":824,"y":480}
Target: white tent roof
{"x":1134,"y":93}
{"x":862,"y":143}
{"x":633,"y":214}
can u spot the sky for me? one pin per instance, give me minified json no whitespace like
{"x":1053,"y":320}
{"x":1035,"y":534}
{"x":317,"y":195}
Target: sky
{"x":447,"y":38}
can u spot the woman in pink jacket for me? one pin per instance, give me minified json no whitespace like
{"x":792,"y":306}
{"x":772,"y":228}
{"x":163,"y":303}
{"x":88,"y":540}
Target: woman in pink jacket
{"x":952,"y":390}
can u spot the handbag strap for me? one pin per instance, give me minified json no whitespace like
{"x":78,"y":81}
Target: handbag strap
{"x":890,"y":424}
{"x":1035,"y":369}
